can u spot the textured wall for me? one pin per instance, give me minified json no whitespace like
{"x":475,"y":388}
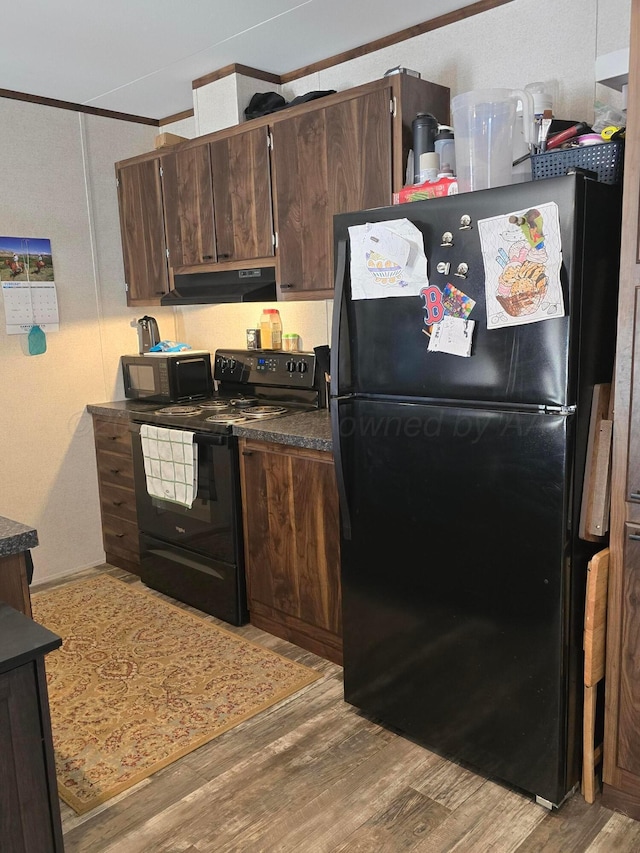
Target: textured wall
{"x":57,"y":177}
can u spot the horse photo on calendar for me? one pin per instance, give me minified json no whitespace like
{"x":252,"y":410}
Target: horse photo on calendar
{"x":25,"y":259}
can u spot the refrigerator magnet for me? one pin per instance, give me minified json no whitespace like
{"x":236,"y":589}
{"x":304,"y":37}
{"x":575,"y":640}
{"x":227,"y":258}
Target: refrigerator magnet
{"x":456,"y":303}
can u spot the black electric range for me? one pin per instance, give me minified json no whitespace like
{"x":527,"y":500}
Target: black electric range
{"x":195,"y":552}
{"x":252,"y":385}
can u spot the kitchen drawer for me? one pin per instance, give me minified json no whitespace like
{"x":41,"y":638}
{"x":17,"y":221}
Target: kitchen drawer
{"x":114,"y":469}
{"x":118,"y":501}
{"x":120,"y":537}
{"x":112,"y":435}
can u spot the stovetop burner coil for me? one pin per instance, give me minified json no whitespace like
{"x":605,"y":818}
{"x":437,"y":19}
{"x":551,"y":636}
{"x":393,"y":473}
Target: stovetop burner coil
{"x":178,"y":410}
{"x":225,"y":418}
{"x":243,"y":402}
{"x":264,"y":411}
{"x":213,"y":405}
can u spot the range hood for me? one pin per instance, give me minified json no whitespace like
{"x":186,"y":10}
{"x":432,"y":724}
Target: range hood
{"x":214,"y":288}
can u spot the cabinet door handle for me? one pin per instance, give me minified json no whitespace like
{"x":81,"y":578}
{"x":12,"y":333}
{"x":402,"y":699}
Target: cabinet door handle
{"x":635,"y":496}
{"x":635,"y":537}
{"x":225,"y":255}
{"x":117,"y":503}
{"x":247,"y":452}
{"x":113,"y":438}
{"x":287,"y":286}
{"x":115,"y":470}
{"x":207,"y":257}
{"x":119,"y":535}
{"x":160,"y":292}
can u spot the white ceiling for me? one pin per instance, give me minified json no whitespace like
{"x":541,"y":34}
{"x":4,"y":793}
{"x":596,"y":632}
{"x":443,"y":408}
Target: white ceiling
{"x":141,"y":56}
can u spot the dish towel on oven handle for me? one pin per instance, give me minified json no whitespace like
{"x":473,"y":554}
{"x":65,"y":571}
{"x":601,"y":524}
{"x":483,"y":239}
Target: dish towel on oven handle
{"x":170,"y":464}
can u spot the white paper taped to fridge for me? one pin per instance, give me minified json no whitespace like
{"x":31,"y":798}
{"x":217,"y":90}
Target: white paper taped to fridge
{"x":522,"y":254}
{"x":387,"y":259}
{"x":452,"y":335}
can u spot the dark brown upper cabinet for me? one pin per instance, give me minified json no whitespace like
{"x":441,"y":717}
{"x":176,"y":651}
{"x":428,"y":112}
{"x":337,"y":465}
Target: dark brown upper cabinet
{"x":142,"y":229}
{"x":345,"y":152}
{"x":326,"y":161}
{"x":242,"y":196}
{"x":188,"y":206}
{"x":222,"y":194}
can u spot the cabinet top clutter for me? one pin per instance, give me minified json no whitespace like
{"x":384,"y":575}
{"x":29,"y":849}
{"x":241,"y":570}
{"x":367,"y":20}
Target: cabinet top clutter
{"x":179,"y":215}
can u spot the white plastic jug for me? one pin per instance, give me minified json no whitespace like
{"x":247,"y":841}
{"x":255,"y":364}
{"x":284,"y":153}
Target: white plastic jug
{"x":483,"y":124}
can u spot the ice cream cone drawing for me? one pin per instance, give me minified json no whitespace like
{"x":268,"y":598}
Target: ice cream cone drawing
{"x":522,"y":266}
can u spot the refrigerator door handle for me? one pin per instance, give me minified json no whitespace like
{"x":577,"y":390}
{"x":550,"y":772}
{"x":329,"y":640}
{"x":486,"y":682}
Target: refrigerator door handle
{"x":340,"y":481}
{"x":338,"y":308}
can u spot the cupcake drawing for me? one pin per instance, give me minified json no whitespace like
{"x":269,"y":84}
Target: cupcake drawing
{"x":384,"y":271}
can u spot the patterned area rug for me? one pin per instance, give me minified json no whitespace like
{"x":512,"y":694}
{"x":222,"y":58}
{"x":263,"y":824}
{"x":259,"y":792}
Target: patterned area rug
{"x":139,"y":682}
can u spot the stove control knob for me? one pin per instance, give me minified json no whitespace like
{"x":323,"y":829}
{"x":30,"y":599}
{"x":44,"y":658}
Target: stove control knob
{"x":291,"y":366}
{"x":231,"y":363}
{"x":223,"y":363}
{"x":303,"y":366}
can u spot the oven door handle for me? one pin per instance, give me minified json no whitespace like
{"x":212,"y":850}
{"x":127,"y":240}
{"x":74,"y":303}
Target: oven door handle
{"x":199,"y":437}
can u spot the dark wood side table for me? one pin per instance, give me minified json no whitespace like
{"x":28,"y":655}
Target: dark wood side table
{"x":29,"y":807}
{"x":16,"y":541}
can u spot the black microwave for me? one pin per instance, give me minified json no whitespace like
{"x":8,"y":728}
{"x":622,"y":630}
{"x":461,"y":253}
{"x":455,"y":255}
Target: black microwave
{"x":165,"y":377}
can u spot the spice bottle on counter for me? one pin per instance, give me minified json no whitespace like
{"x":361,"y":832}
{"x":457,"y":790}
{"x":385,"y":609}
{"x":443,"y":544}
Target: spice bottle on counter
{"x":270,"y":329}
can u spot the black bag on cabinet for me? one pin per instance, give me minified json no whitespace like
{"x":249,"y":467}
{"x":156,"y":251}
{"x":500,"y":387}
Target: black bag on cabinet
{"x":263,"y":103}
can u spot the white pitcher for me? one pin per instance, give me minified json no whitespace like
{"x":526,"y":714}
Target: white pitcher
{"x":483,"y":123}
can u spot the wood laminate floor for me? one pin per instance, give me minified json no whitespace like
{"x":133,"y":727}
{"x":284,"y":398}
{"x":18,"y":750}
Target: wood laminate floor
{"x":313,"y":775}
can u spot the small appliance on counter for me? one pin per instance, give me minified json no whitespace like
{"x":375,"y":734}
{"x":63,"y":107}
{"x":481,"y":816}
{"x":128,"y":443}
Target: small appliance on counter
{"x":167,"y":377}
{"x":148,"y":334}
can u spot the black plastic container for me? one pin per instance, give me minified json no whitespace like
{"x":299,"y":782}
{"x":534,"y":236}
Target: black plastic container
{"x":425,"y":128}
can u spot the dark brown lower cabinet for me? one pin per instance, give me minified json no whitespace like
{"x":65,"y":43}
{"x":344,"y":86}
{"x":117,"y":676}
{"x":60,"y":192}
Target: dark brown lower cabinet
{"x":117,"y":495}
{"x":290,"y":509}
{"x":14,"y":585}
{"x":29,"y":806}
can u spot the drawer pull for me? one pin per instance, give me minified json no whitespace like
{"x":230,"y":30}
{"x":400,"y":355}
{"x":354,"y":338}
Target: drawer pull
{"x":247,"y":452}
{"x":113,"y":438}
{"x":635,"y":496}
{"x":117,"y":503}
{"x":635,"y":537}
{"x":115,"y":470}
{"x":119,"y":535}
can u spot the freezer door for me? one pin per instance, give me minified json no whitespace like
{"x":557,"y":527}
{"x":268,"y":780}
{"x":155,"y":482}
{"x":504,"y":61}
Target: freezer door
{"x":380,"y":346}
{"x":455,"y":576}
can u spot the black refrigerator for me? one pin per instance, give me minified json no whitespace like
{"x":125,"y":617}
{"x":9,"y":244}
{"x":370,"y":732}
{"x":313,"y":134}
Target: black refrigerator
{"x":460,"y":481}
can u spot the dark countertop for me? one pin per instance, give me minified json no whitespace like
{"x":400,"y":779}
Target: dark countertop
{"x":21,"y":639}
{"x":307,"y":429}
{"x":16,"y":537}
{"x":121,"y":408}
